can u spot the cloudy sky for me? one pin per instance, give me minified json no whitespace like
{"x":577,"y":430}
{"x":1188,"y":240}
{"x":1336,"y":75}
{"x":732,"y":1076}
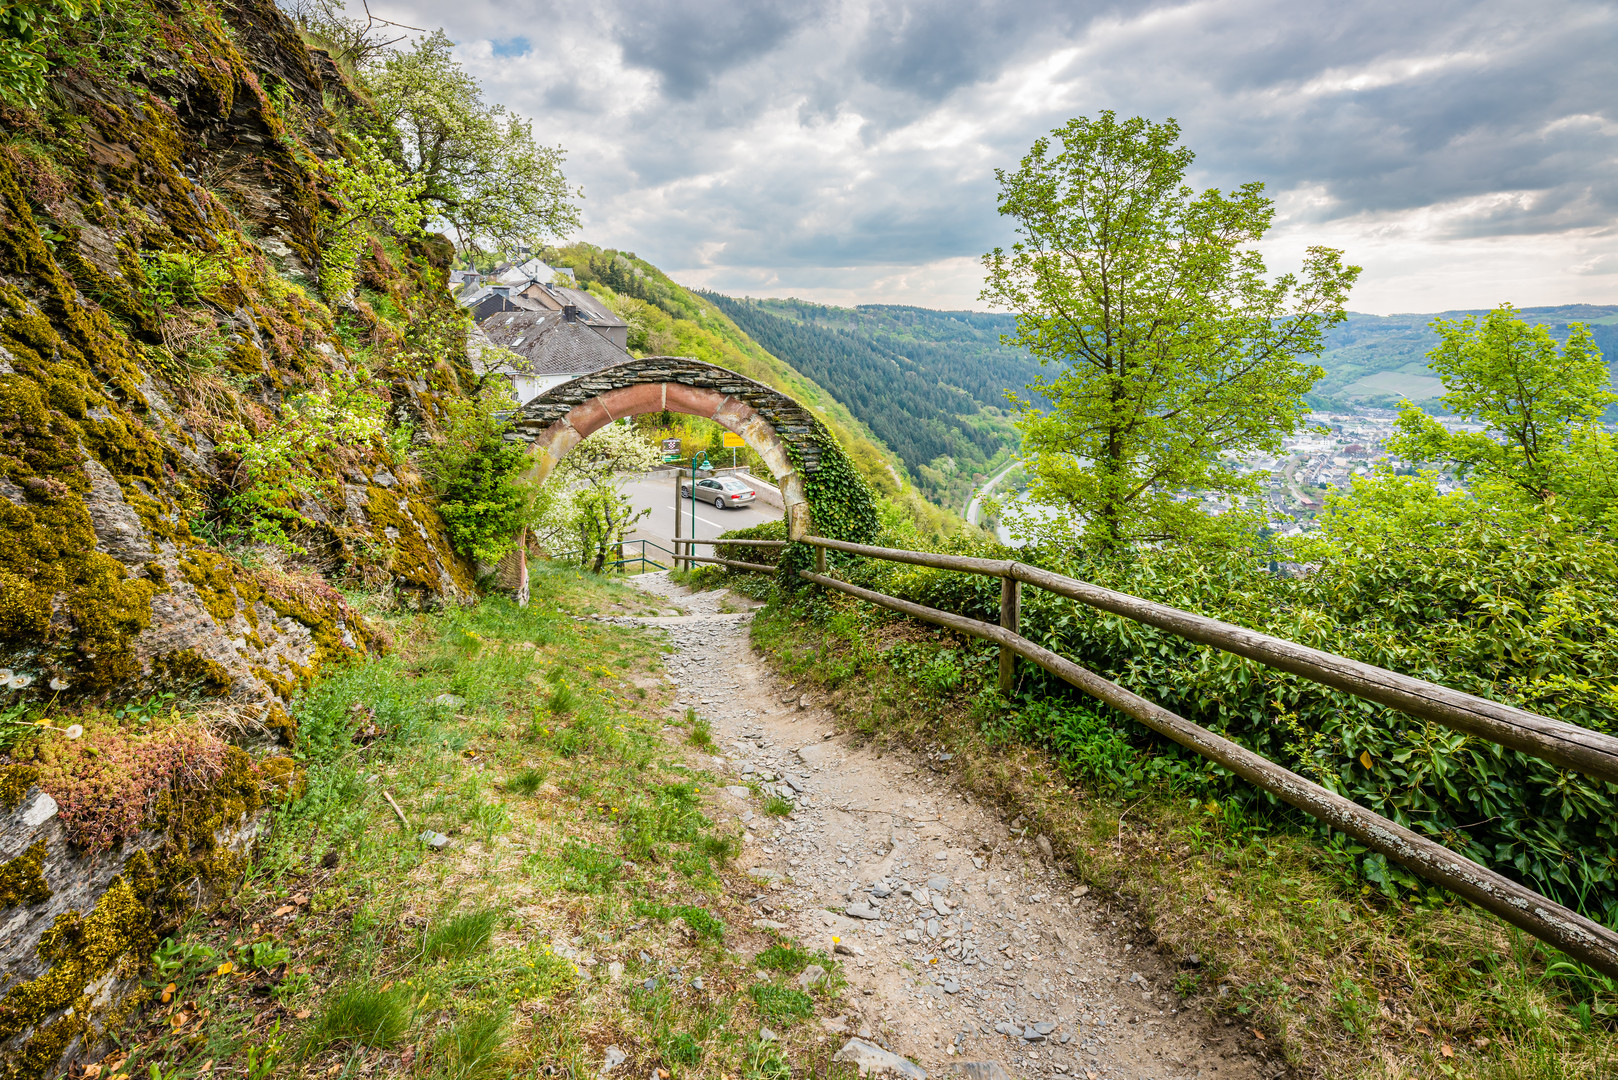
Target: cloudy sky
{"x":1464,"y":153}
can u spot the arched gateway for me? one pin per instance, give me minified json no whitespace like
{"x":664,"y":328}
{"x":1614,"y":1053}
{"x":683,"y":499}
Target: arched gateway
{"x":792,"y":442}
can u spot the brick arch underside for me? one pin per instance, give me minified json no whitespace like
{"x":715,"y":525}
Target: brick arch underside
{"x":728,"y":411}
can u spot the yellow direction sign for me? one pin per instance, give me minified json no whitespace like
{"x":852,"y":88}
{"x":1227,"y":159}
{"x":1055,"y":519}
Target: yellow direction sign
{"x":734,"y":441}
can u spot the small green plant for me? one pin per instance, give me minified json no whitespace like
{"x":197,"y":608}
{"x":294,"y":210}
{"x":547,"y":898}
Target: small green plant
{"x":787,"y":959}
{"x":526,"y":781}
{"x":701,"y":735}
{"x":703,"y":923}
{"x":775,"y":806}
{"x":588,"y":869}
{"x":718,"y":850}
{"x":781,"y":1004}
{"x":1187,"y":983}
{"x":264,"y":954}
{"x":172,"y":958}
{"x":681,"y":1049}
{"x":763,"y":1061}
{"x":364,"y":1014}
{"x":563,"y":700}
{"x":460,"y":935}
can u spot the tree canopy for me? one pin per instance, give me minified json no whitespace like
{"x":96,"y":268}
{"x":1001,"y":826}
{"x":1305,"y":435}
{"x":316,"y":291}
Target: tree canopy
{"x":480,"y":170}
{"x":1175,"y":351}
{"x":1540,"y":407}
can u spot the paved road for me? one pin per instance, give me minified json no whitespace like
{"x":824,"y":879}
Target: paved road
{"x":988,"y":486}
{"x":658,"y":494}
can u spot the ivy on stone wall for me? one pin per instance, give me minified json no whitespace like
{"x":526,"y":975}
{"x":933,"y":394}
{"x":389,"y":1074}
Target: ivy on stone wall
{"x":841,"y":506}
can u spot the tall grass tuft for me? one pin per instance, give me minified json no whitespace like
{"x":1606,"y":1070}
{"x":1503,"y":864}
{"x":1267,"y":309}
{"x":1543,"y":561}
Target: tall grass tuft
{"x":460,"y":935}
{"x":364,"y":1014}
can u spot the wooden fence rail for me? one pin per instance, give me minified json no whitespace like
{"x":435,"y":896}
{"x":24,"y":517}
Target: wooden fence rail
{"x":1561,"y":743}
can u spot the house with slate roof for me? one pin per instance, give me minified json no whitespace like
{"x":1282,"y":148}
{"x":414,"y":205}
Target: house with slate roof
{"x":545,"y":348}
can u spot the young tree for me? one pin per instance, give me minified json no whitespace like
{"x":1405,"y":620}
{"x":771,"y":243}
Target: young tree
{"x":479,"y":167}
{"x":1175,"y":351}
{"x":1540,"y":405}
{"x":595,"y":508}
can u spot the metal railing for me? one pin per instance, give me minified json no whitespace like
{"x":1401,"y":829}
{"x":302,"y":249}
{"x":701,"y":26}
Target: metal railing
{"x":1566,"y":745}
{"x":623,"y":560}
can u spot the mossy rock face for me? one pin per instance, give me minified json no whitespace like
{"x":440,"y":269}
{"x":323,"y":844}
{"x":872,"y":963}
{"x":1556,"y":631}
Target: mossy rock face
{"x":113,"y":585}
{"x":210,"y":150}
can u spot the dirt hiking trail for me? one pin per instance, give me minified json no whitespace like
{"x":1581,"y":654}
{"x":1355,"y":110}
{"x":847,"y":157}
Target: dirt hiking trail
{"x":960,"y":943}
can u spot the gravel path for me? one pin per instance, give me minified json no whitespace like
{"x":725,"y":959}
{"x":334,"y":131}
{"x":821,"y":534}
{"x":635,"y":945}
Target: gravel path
{"x":960,"y":943}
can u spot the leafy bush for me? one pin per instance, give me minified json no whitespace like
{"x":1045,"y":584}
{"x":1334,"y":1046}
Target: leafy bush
{"x":483,"y":503}
{"x":1527,"y":616}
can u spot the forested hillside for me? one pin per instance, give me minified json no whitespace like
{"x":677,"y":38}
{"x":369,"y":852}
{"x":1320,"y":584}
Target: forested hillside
{"x":1379,"y":359}
{"x":930,"y":384}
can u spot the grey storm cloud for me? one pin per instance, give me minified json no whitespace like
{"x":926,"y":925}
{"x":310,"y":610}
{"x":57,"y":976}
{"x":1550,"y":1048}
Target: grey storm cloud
{"x":715,"y":134}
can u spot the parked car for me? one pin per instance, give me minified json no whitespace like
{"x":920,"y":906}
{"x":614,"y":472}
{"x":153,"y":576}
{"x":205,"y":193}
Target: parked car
{"x":722,"y":491}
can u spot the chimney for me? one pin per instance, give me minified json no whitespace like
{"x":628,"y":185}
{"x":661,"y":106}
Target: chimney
{"x":570,"y":313}
{"x":501,"y":290}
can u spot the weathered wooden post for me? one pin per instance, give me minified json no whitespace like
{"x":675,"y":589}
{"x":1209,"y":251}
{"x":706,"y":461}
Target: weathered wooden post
{"x":820,"y":561}
{"x":1010,"y":613}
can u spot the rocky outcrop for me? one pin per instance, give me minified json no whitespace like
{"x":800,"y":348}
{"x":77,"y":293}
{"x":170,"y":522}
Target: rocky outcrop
{"x":161,"y":257}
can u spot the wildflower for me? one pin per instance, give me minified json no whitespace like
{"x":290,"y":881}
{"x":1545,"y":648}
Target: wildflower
{"x":19,"y":680}
{"x":43,"y":723}
{"x":59,"y":683}
{"x":5,"y":674}
{"x":74,"y":731}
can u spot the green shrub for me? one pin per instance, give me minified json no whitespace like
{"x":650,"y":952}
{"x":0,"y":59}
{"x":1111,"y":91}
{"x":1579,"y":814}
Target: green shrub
{"x":1527,"y":616}
{"x":483,"y":501}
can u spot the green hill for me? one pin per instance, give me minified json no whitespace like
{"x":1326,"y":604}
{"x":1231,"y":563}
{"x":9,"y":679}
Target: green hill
{"x":1379,"y":359}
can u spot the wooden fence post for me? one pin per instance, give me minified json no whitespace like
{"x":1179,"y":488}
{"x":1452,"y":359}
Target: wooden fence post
{"x":820,"y":561}
{"x":1010,"y":614}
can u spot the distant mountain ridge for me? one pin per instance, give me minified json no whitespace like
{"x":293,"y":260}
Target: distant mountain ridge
{"x":1378,"y":360}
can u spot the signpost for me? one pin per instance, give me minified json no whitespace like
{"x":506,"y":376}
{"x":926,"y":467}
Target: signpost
{"x":733,"y":442}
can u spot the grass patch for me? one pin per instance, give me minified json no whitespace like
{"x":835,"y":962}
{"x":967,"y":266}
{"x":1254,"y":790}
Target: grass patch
{"x":702,"y":922}
{"x":776,"y":806}
{"x":701,"y":734}
{"x":617,"y":859}
{"x":364,"y":1014}
{"x":526,"y":781}
{"x":781,"y":1004}
{"x":459,"y":936}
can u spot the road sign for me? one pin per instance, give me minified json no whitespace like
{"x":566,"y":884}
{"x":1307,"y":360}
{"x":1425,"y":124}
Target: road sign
{"x":735,"y":441}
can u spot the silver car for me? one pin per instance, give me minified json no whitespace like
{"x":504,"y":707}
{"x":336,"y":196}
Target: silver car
{"x":722,"y":491}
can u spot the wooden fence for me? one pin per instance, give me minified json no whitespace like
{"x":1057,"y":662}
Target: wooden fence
{"x":1566,"y":745}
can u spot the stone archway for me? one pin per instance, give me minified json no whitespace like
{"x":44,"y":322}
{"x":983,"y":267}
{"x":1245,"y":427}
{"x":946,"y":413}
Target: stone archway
{"x":792,"y":442}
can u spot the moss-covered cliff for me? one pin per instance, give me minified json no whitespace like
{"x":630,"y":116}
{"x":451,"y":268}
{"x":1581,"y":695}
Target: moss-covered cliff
{"x":161,"y":320}
{"x":210,"y":377}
